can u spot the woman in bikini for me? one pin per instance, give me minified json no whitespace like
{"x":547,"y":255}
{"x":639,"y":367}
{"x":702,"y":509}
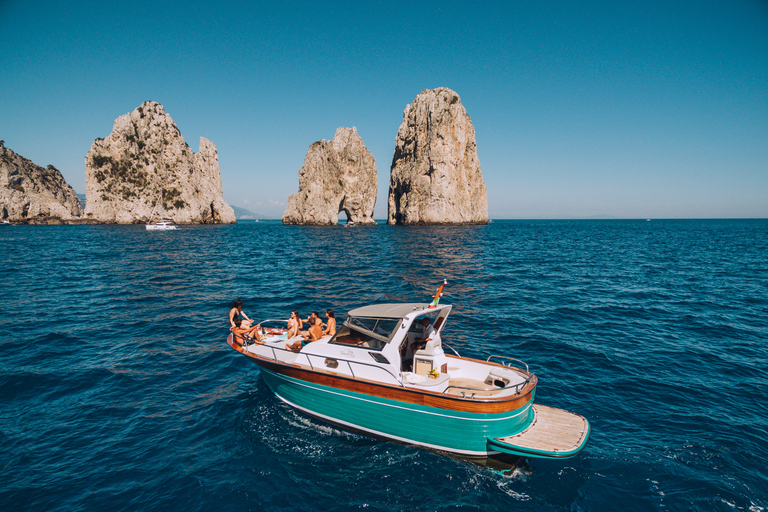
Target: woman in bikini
{"x":313,"y":334}
{"x":294,"y":324}
{"x":236,"y":312}
{"x":330,"y":326}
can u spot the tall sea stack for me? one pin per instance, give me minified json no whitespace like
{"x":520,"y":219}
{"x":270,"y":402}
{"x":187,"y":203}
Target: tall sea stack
{"x":337,"y":176}
{"x":435,"y":175}
{"x":144,"y":155}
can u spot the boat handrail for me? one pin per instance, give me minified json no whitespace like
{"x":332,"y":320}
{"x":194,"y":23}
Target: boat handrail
{"x":505,"y":360}
{"x":517,"y":387}
{"x":271,"y":320}
{"x":452,"y":349}
{"x":349,"y":362}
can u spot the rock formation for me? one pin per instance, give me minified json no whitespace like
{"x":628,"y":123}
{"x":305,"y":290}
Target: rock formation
{"x":30,"y":193}
{"x":144,"y":154}
{"x":435,"y":175}
{"x":337,"y":176}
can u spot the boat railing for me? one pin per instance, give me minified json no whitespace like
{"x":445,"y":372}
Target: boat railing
{"x":371,"y":365}
{"x":507,"y":361}
{"x":465,"y":390}
{"x":272,"y":320}
{"x":452,"y":349}
{"x":309,"y":358}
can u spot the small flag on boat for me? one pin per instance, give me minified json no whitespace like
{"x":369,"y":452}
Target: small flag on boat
{"x":438,"y":294}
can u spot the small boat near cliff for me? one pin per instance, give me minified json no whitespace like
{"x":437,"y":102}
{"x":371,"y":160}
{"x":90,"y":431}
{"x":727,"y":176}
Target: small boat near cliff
{"x":373,"y":377}
{"x":163,"y":224}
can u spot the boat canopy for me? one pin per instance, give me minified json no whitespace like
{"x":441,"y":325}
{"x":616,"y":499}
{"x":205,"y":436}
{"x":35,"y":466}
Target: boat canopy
{"x":373,"y":327}
{"x":391,"y":310}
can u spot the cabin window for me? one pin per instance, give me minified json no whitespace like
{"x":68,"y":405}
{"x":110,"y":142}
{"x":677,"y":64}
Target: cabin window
{"x":381,"y":326}
{"x":369,"y":333}
{"x":356,"y":338}
{"x":379,"y":358}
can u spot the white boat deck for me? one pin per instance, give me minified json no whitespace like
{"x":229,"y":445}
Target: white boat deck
{"x":464,"y":378}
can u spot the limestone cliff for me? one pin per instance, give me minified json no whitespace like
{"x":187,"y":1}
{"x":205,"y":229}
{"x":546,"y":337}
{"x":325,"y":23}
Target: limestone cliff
{"x":30,"y":193}
{"x":144,"y":154}
{"x":435,"y":175}
{"x":337,"y":176}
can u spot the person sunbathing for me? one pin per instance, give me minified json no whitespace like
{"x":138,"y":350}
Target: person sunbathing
{"x":330,"y":326}
{"x":294,"y":324}
{"x":242,"y":334}
{"x":313,"y":334}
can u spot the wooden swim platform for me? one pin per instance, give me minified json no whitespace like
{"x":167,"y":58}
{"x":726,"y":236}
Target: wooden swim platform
{"x":552,"y":433}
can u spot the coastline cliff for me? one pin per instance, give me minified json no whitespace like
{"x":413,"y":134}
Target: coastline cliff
{"x":33,"y":194}
{"x":145,"y":157}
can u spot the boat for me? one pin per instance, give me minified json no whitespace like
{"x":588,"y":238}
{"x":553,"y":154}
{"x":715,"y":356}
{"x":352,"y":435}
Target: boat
{"x":376,"y":377}
{"x":162,"y":224}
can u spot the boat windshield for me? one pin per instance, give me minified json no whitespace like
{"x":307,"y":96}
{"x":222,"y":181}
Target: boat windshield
{"x":370,"y":333}
{"x":381,"y":326}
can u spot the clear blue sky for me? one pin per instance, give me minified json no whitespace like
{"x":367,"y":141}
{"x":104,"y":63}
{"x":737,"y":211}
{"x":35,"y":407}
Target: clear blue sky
{"x":628,"y":109}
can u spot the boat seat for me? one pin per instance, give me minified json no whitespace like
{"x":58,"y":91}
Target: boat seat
{"x":432,"y":347}
{"x":502,"y":377}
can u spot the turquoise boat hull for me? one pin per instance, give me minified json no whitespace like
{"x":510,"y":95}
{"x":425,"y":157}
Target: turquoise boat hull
{"x":464,"y":433}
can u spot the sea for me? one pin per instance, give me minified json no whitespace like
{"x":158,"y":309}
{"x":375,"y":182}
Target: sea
{"x":118,"y":391}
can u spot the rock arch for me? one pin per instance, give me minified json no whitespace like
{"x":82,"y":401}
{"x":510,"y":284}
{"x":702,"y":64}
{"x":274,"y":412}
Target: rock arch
{"x":337,"y":175}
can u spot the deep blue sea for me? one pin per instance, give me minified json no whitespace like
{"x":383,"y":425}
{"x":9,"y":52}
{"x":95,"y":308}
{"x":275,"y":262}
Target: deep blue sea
{"x":119,"y":392}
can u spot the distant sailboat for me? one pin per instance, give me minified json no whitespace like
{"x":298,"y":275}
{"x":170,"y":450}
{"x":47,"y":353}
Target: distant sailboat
{"x":163,"y":223}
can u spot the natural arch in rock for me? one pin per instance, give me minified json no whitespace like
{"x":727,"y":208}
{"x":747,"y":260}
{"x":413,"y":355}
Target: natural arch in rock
{"x":337,"y":175}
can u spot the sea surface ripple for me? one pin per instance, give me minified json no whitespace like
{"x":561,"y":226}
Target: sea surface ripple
{"x":119,"y":392}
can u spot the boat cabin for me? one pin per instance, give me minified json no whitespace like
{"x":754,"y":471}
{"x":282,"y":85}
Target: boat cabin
{"x":407,"y":336}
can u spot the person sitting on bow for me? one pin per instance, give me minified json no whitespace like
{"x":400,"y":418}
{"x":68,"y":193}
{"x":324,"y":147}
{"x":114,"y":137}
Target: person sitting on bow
{"x":330,"y":326}
{"x":242,"y":334}
{"x":235,"y":312}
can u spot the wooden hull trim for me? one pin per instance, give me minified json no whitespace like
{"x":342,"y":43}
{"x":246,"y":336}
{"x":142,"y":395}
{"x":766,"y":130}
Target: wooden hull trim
{"x":407,"y":395}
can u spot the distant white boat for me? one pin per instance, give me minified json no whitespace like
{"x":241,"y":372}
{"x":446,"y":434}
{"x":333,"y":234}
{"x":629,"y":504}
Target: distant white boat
{"x":163,"y":224}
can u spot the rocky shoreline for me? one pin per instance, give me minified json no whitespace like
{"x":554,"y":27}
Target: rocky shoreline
{"x":144,"y":170}
{"x":143,"y":160}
